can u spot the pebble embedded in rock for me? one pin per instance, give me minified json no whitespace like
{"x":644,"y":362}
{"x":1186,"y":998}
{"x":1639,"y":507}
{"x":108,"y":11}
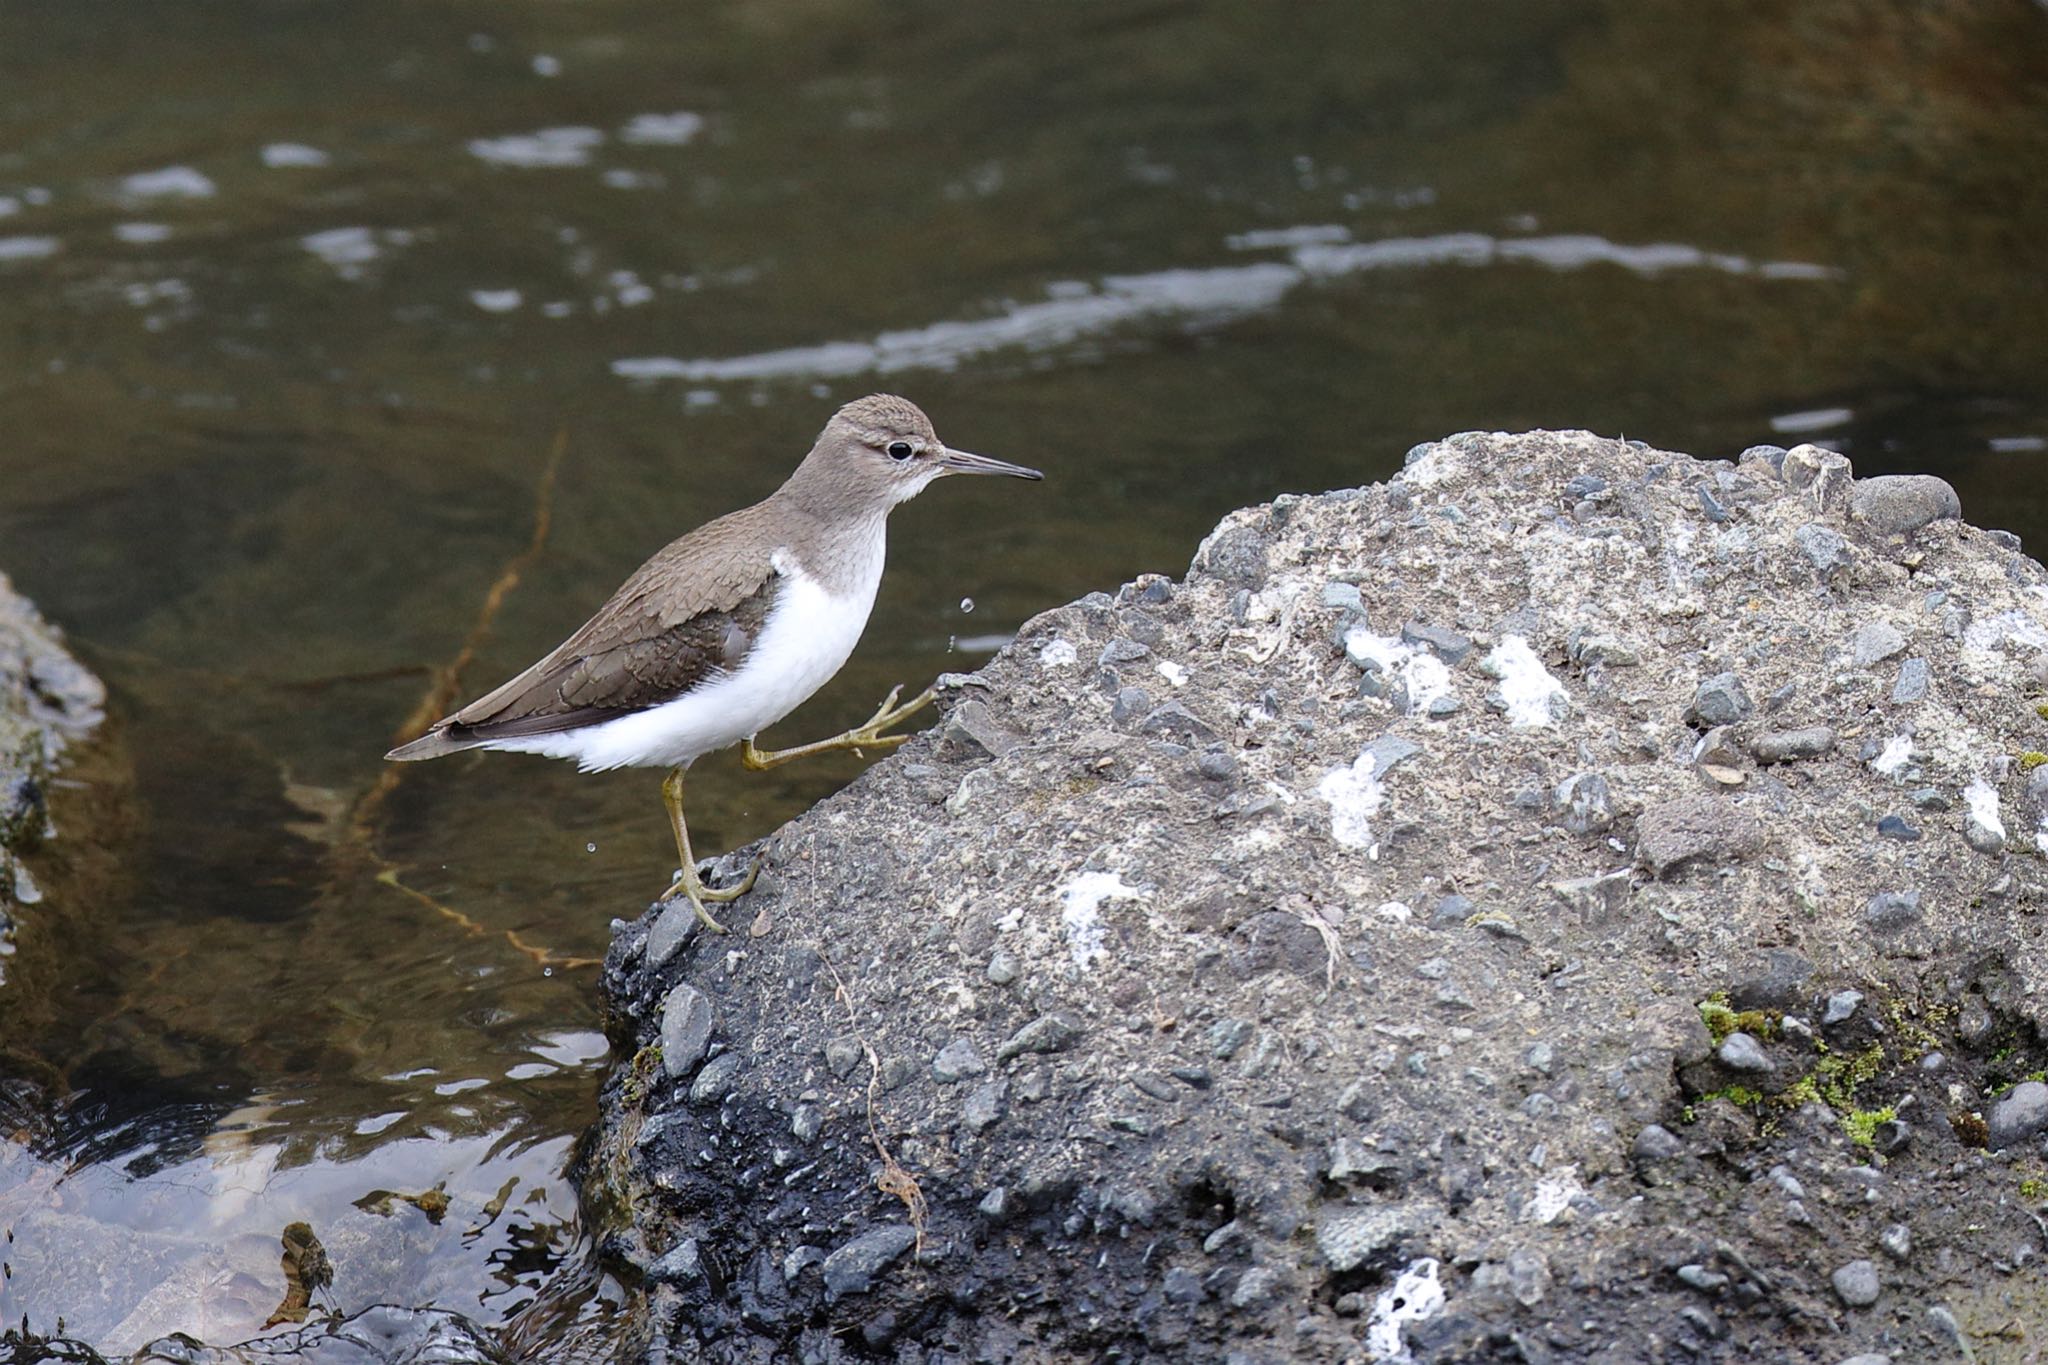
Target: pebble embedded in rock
{"x":1349,"y":1237}
{"x":1700,"y":1278}
{"x":807,"y":1123}
{"x":1226,"y":1036}
{"x":1778,"y":986}
{"x":1587,"y":805}
{"x":1657,"y":1143}
{"x":1841,"y":1005}
{"x":1974,"y":1022}
{"x":1856,"y":1284}
{"x":1825,"y":476}
{"x":971,"y":726}
{"x":1894,"y":827}
{"x":715,"y":1079}
{"x":1177,"y":722}
{"x":1130,"y":703}
{"x":1690,"y":829}
{"x":1447,"y":644}
{"x":1720,"y":700}
{"x":1710,"y":504}
{"x":1048,"y":1033}
{"x":1874,"y":643}
{"x":1255,"y":1287}
{"x":1121,"y":650}
{"x":1769,"y":457}
{"x":680,"y":1264}
{"x":842,"y":1055}
{"x":685,"y":1030}
{"x":976,"y":791}
{"x":1343,"y":597}
{"x":1911,"y":686}
{"x":1979,"y":831}
{"x":1717,"y":757}
{"x":671,"y":928}
{"x":1897,"y":1241}
{"x":1147,"y":629}
{"x":2019,"y":1114}
{"x":1891,"y":911}
{"x":985,"y":1106}
{"x":1529,"y":1276}
{"x":853,"y":1267}
{"x":1003,"y":967}
{"x":957,"y":1061}
{"x":1352,"y":1157}
{"x":1182,"y":1285}
{"x":1452,"y":911}
{"x":1825,"y":549}
{"x":1741,"y":1052}
{"x":1389,"y":750}
{"x":1900,"y":504}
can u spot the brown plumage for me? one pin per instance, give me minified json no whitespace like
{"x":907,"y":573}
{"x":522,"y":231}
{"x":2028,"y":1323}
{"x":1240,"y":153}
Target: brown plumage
{"x":695,"y":608}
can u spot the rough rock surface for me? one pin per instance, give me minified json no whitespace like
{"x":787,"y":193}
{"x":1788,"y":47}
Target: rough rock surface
{"x":47,"y":699}
{"x":1334,"y":956}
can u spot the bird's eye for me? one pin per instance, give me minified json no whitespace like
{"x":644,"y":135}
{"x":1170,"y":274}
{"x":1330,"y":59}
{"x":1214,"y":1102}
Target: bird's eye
{"x":899,"y":450}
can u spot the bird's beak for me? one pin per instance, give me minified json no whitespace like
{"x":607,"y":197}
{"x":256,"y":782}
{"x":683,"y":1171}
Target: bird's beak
{"x":961,"y":462}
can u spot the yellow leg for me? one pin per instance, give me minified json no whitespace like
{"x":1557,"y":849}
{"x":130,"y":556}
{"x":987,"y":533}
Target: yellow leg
{"x":687,"y":882}
{"x":868,"y":736}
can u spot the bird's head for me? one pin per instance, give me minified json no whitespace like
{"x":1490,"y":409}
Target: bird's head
{"x":882,"y":449}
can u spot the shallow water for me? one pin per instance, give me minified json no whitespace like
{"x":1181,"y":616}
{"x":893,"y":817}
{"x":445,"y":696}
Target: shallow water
{"x":299,"y":306}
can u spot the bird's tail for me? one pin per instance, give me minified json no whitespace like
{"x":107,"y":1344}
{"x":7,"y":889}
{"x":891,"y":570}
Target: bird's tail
{"x":435,"y":743}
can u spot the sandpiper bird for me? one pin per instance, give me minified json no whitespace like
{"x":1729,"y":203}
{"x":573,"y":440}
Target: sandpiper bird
{"x":729,"y":629}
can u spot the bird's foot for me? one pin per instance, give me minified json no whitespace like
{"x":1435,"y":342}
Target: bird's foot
{"x":689,"y":884}
{"x":887,"y":716}
{"x":865,"y":736}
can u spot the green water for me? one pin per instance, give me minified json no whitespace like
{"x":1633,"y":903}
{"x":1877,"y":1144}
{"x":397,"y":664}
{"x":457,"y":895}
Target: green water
{"x":297,"y":299}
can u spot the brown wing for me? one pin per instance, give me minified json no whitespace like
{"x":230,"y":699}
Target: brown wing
{"x":689,"y":613}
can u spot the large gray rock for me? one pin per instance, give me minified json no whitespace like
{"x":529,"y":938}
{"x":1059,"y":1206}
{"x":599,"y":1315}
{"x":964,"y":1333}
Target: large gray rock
{"x":1245,"y":1086}
{"x":48,"y":700}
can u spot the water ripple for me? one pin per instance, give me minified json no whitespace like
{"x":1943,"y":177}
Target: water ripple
{"x":1197,"y":295}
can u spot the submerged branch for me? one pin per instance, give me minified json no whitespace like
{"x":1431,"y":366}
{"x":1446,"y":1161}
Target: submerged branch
{"x":359,"y":843}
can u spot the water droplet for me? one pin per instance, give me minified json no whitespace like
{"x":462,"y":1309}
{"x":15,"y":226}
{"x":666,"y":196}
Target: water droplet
{"x":590,"y":848}
{"x":951,"y":640}
{"x":966,"y":604}
{"x":547,"y":971}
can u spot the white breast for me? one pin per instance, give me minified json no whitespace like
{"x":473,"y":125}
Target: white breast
{"x":809,"y":633}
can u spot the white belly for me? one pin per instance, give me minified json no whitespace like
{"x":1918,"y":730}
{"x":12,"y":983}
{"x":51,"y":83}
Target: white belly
{"x":808,"y":634}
